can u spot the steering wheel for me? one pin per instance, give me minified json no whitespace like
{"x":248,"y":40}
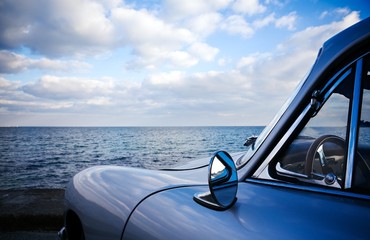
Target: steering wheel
{"x":317,"y":148}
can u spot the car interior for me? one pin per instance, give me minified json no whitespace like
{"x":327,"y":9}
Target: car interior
{"x":318,"y":153}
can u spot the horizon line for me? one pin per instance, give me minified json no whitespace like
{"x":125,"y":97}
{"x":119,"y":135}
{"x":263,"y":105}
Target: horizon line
{"x":107,"y":126}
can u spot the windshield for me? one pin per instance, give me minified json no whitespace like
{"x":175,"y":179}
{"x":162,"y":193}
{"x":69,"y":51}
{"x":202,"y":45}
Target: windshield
{"x":266,"y":131}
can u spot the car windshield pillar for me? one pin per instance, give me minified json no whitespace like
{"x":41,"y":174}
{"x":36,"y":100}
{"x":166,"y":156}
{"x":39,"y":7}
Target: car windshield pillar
{"x":355,"y":114}
{"x":266,"y":131}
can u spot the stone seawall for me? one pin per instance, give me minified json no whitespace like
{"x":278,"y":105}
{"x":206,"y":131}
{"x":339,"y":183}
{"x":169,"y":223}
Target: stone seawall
{"x":31,"y":210}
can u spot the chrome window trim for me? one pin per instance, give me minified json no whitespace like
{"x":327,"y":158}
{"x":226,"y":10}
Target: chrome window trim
{"x":313,"y":188}
{"x":327,"y":90}
{"x":335,"y":85}
{"x":278,"y":146}
{"x":353,"y":132}
{"x":285,"y":172}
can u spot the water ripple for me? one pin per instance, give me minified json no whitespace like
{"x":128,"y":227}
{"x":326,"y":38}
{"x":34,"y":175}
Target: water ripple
{"x":47,"y":157}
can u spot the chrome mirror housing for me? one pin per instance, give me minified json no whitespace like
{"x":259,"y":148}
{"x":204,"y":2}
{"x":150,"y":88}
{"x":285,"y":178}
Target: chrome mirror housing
{"x":222,"y":182}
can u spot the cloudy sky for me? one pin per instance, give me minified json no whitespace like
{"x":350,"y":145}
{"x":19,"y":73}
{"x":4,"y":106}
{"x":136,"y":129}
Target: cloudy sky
{"x":159,"y":63}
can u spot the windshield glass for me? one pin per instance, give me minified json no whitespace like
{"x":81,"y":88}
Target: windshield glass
{"x":266,"y":131}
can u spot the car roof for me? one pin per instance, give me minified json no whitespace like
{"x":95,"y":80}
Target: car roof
{"x":339,"y":45}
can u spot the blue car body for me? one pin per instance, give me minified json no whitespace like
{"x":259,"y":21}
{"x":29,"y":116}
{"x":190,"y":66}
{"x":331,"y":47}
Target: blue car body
{"x":292,"y":184}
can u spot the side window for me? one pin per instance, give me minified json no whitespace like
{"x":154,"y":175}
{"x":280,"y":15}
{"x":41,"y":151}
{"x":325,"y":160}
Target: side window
{"x":318,"y":154}
{"x":361,"y":177}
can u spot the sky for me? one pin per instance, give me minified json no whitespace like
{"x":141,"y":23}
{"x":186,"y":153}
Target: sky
{"x":159,"y":63}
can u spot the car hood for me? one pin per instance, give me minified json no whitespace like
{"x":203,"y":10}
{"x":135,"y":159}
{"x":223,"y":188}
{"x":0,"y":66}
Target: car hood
{"x":104,"y":196}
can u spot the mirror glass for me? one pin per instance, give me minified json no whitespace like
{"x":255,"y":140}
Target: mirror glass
{"x":223,"y":179}
{"x":218,"y":171}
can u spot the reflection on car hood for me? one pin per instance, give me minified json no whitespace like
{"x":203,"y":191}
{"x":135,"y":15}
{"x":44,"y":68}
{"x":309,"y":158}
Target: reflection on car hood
{"x":203,"y":162}
{"x":104,"y":196}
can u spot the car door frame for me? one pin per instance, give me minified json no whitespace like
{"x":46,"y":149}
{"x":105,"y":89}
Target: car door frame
{"x":262,"y":173}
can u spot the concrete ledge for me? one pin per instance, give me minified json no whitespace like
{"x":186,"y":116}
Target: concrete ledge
{"x":31,"y":210}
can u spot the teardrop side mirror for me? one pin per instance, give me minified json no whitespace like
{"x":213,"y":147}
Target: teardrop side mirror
{"x":222,"y":182}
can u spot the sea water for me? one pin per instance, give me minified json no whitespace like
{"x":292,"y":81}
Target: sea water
{"x":48,"y":157}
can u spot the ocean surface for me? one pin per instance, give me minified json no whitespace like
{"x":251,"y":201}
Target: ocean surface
{"x":48,"y":157}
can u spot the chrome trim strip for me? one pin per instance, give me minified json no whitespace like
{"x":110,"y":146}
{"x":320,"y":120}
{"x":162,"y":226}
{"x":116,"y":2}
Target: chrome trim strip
{"x":335,"y":85}
{"x":62,"y":234}
{"x":281,"y":142}
{"x":262,"y":171}
{"x":301,"y":116}
{"x":283,"y":171}
{"x":317,"y":189}
{"x":355,"y":112}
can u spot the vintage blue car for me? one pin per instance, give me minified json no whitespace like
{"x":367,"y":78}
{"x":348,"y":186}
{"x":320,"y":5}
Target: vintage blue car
{"x":306,"y":176}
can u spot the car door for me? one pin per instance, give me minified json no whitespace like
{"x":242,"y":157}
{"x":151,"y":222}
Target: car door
{"x":315,"y":183}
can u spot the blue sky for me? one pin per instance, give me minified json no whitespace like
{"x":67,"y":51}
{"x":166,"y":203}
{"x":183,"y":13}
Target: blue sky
{"x":159,"y":63}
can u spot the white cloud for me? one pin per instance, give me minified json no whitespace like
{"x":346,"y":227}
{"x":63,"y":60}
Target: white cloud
{"x":173,"y":78}
{"x":14,"y":63}
{"x":80,"y":28}
{"x":249,"y":7}
{"x":153,"y":58}
{"x":259,"y":23}
{"x":259,"y":80}
{"x":180,"y":59}
{"x":87,"y":28}
{"x":35,"y":105}
{"x":340,"y":12}
{"x":198,"y":91}
{"x":178,"y":10}
{"x":109,"y":4}
{"x":205,"y":24}
{"x":5,"y":84}
{"x":68,"y":95}
{"x":287,"y":21}
{"x":11,"y":62}
{"x":203,"y":51}
{"x":236,"y":24}
{"x":13,"y":99}
{"x":248,"y":62}
{"x":68,"y":88}
{"x":99,"y":101}
{"x":276,"y":2}
{"x":313,"y":37}
{"x":142,"y":28}
{"x":154,"y":41}
{"x":55,"y":28}
{"x":274,"y":75}
{"x":222,"y":62}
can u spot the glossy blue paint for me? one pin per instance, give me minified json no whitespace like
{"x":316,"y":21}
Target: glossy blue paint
{"x":104,"y":196}
{"x":261,"y":212}
{"x":353,"y":134}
